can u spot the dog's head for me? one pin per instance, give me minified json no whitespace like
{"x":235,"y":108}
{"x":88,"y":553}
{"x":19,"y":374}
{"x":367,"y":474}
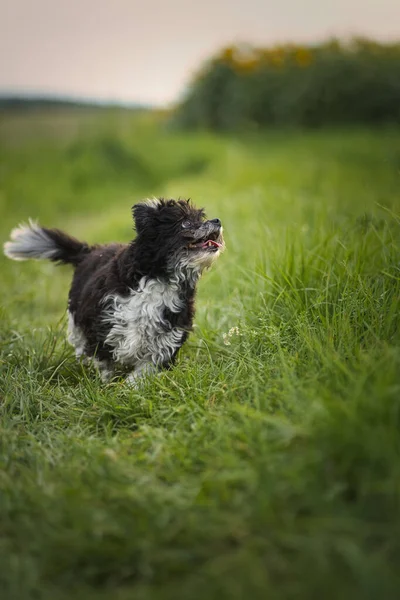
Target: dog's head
{"x":177,"y":234}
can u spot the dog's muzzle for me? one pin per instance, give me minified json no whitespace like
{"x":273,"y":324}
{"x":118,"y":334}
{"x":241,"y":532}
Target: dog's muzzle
{"x":208,"y":237}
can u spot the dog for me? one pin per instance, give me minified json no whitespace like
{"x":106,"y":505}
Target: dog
{"x":131,"y":306}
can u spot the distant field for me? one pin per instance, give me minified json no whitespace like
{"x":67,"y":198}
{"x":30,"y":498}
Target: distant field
{"x":267,"y":463}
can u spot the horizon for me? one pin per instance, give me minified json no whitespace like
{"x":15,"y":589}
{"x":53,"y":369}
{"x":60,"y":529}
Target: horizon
{"x":39,"y":96}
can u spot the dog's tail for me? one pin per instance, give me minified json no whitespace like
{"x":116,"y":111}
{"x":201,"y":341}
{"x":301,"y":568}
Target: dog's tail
{"x":33,"y":241}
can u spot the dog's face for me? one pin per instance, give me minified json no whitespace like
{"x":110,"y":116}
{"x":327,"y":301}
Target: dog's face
{"x":179,"y":232}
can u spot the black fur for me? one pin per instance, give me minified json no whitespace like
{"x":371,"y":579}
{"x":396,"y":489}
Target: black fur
{"x":70,"y":250}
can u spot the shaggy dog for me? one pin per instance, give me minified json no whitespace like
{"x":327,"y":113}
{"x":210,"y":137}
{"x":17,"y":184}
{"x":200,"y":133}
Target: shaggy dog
{"x":131,"y":306}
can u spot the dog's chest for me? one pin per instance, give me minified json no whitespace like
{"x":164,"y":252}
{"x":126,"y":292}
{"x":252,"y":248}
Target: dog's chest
{"x":139,"y":330}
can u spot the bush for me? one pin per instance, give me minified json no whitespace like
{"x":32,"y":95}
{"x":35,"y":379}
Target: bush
{"x":330,"y":84}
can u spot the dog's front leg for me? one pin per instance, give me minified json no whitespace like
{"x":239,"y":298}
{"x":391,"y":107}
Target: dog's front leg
{"x":141,"y":371}
{"x":104,"y":369}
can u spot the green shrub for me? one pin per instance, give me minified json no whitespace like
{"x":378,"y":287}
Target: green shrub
{"x":328,"y":84}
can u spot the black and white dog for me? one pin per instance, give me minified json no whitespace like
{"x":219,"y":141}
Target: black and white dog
{"x":131,"y":306}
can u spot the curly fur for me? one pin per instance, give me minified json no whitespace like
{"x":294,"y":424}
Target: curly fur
{"x":131,"y":306}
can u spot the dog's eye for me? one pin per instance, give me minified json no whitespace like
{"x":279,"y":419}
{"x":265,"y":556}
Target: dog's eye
{"x":186,"y":224}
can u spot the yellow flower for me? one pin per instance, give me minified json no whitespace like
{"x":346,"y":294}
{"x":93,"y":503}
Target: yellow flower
{"x":227,"y":54}
{"x":303,"y":57}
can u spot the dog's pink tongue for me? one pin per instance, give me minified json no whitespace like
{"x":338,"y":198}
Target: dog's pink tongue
{"x":212,"y":242}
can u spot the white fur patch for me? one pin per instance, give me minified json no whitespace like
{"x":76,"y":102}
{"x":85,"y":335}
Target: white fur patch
{"x":195,"y":263}
{"x":152,"y":202}
{"x":29,"y":241}
{"x":76,"y":336}
{"x":139,"y":334}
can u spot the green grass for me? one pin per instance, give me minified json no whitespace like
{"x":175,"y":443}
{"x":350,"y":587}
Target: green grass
{"x":267,"y":463}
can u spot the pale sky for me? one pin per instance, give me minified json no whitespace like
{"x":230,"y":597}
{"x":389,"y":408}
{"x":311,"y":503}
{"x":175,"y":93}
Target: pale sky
{"x":146,"y":51}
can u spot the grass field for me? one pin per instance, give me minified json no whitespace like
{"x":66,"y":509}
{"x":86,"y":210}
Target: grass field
{"x":267,"y":463}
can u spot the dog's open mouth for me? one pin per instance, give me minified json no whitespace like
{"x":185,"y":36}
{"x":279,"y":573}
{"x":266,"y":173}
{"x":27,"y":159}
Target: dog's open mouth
{"x":206,"y":244}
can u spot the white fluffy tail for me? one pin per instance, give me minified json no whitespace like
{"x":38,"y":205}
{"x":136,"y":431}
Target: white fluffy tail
{"x":29,"y":241}
{"x":32,"y":241}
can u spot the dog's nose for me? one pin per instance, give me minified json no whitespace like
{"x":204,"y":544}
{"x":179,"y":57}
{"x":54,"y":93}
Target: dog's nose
{"x":216,"y":222}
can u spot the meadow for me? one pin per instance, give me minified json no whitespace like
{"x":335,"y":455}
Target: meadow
{"x":267,"y":463}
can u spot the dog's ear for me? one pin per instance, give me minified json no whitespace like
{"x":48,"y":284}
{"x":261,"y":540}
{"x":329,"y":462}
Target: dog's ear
{"x":143,"y":213}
